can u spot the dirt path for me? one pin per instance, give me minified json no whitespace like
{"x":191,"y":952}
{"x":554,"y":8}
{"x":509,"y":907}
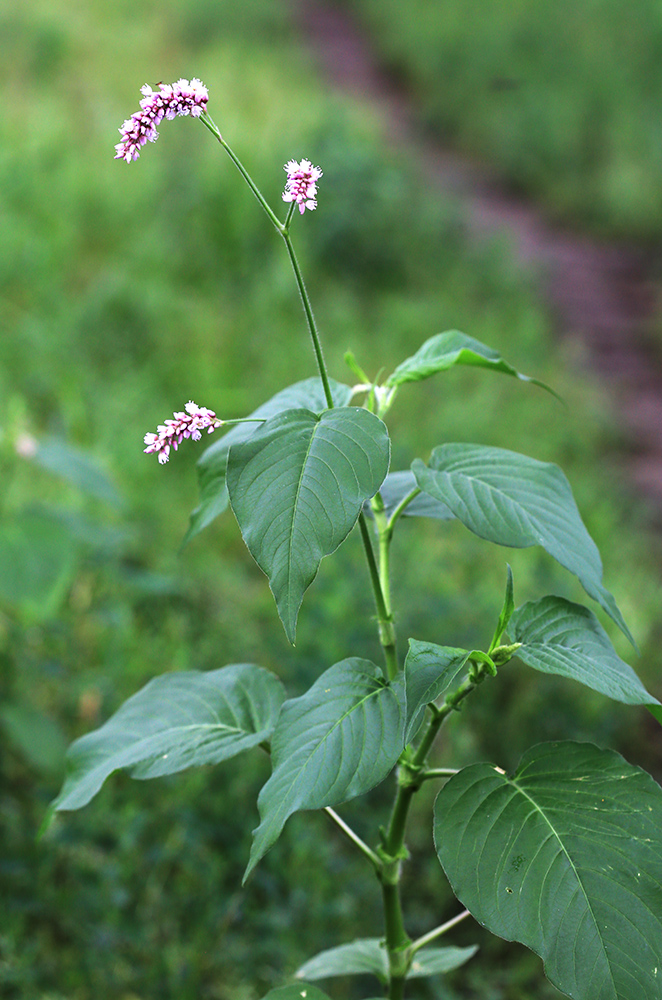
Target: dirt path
{"x":599,"y":292}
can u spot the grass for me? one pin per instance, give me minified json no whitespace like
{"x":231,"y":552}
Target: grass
{"x":126,"y":290}
{"x":563,"y":99}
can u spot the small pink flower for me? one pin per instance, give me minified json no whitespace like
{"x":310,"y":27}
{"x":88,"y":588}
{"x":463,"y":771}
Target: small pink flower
{"x":181,"y":98}
{"x":185,"y":425}
{"x":301,"y":184}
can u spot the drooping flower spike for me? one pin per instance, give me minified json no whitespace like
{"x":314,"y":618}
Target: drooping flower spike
{"x":301,"y":186}
{"x":184,"y":425}
{"x":172,"y":99}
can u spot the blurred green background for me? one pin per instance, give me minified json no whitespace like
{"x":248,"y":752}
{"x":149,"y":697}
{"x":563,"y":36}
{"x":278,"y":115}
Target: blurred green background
{"x":126,"y":290}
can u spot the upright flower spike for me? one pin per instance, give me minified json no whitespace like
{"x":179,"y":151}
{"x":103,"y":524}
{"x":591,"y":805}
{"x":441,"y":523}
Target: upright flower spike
{"x":184,"y":425}
{"x":301,"y":186}
{"x":172,"y":99}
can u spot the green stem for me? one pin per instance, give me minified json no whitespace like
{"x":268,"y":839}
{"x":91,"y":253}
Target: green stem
{"x":312,"y":327}
{"x":208,"y":122}
{"x":354,"y":837}
{"x":283,"y":229}
{"x":384,"y":618}
{"x":437,"y":772}
{"x":402,"y":506}
{"x":409,"y":781}
{"x":437,"y":932}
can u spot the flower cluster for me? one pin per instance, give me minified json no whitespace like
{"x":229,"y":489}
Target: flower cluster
{"x":301,"y":184}
{"x":184,"y":425}
{"x":172,"y":99}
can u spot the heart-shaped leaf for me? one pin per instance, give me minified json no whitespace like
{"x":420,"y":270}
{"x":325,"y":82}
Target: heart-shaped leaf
{"x":444,"y":351}
{"x":515,"y":500}
{"x":297,"y":487}
{"x":369,"y":956}
{"x":176,"y":721}
{"x":335,"y":742}
{"x":397,"y":486}
{"x":559,"y":637}
{"x":212,"y":464}
{"x":565,"y":856}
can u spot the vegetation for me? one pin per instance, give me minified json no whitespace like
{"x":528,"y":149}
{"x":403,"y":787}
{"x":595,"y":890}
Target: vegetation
{"x":125,"y":292}
{"x":564,"y":98}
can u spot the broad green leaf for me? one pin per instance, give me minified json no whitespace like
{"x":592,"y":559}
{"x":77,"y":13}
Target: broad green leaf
{"x":302,"y":991}
{"x":397,"y":486}
{"x":78,"y":467}
{"x":212,"y":464}
{"x":429,"y":670}
{"x":559,"y":637}
{"x":565,"y":857}
{"x":336,"y":741}
{"x":514,"y":500}
{"x":445,"y":350}
{"x":176,"y":721}
{"x":369,"y":956}
{"x":297,"y":487}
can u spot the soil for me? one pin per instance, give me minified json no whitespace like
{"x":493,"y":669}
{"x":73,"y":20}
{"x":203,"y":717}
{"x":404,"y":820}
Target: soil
{"x":599,"y":292}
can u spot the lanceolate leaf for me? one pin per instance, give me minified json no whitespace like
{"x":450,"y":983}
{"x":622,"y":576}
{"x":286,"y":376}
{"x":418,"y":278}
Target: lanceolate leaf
{"x":433,"y":961}
{"x":429,"y":670}
{"x":398,"y":485}
{"x":559,"y":637}
{"x":514,"y":500}
{"x":176,"y":721}
{"x":297,"y":487}
{"x":565,"y":856}
{"x":445,"y":350}
{"x":212,"y":465}
{"x":369,"y":956}
{"x":335,"y":742}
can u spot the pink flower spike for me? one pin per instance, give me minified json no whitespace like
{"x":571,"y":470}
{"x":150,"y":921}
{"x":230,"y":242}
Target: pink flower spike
{"x":301,"y":186}
{"x":172,"y":99}
{"x":189,"y":424}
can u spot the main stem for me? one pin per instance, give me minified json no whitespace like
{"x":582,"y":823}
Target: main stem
{"x":410,"y":778}
{"x":283,"y":229}
{"x":310,"y":319}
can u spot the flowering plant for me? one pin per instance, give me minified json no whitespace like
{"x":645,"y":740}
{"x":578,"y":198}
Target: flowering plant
{"x":565,"y":854}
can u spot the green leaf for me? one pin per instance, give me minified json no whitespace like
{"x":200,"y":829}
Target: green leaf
{"x":559,"y":637}
{"x":335,"y":742}
{"x":429,"y":670}
{"x":506,"y":610}
{"x":517,"y":501}
{"x":212,"y":465}
{"x":436,"y":961}
{"x":565,"y":856}
{"x":397,"y":486}
{"x":444,"y":351}
{"x":369,"y":956}
{"x":297,"y":487}
{"x":176,"y":721}
{"x":302,"y":991}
